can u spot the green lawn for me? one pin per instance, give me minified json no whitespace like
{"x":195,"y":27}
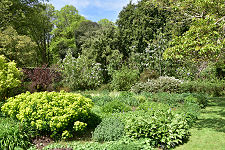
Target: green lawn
{"x":209,"y":132}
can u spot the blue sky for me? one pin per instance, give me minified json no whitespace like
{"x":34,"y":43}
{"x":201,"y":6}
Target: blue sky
{"x":94,"y":9}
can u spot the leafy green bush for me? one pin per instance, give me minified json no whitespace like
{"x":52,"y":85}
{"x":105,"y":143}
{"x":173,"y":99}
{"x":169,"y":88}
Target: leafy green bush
{"x":9,"y":77}
{"x":60,"y":114}
{"x":162,"y":84}
{"x":124,"y":78}
{"x":13,"y":134}
{"x":115,"y":106}
{"x":81,"y":73}
{"x":216,"y":88}
{"x":163,"y":128}
{"x":110,"y":129}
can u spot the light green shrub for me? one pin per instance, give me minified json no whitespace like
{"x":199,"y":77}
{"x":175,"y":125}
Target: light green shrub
{"x":61,"y":114}
{"x":9,"y":77}
{"x":124,"y":78}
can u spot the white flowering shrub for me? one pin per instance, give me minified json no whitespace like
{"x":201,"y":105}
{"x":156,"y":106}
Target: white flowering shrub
{"x":81,"y":73}
{"x":161,"y":84}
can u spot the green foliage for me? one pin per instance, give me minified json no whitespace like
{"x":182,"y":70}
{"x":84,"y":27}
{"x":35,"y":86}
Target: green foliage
{"x":214,"y":88}
{"x":202,"y":42}
{"x":153,"y":106}
{"x":60,"y":114}
{"x":115,"y":106}
{"x":110,"y":129}
{"x":81,"y":73}
{"x":19,"y":48}
{"x":101,"y":99}
{"x":9,"y":77}
{"x":124,"y":78}
{"x":162,"y":84}
{"x":123,"y":144}
{"x":129,"y":98}
{"x":67,"y":20}
{"x":137,"y":25}
{"x":13,"y":134}
{"x":163,"y":128}
{"x":101,"y":46}
{"x":174,"y":99}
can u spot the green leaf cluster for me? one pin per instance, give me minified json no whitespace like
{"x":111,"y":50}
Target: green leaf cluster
{"x":9,"y":77}
{"x":163,"y":128}
{"x":13,"y":134}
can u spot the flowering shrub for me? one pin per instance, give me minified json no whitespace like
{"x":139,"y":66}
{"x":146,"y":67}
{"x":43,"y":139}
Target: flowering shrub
{"x":9,"y":76}
{"x":60,"y":114}
{"x":81,"y":73}
{"x":162,"y":84}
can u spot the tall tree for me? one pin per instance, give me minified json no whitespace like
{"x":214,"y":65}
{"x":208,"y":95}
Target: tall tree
{"x":17,"y":47}
{"x":66,"y":21}
{"x":39,"y":29}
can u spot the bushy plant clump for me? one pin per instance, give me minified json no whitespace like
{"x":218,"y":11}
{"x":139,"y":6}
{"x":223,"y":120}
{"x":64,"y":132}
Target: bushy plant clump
{"x":81,"y":73}
{"x":110,"y":129}
{"x":9,"y":77}
{"x":115,"y":106}
{"x":161,"y":84}
{"x":60,"y":114}
{"x":163,"y":128}
{"x":13,"y":134}
{"x":124,"y":78}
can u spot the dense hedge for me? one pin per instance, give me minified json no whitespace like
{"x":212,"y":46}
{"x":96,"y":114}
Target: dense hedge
{"x":59,"y":114}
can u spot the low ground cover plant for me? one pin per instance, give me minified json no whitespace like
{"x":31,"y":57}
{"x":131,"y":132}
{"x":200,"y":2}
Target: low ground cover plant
{"x":122,"y":144}
{"x":61,"y":115}
{"x":110,"y":129}
{"x":14,"y":134}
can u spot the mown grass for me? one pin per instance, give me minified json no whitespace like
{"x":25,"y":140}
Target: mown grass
{"x":209,"y":131}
